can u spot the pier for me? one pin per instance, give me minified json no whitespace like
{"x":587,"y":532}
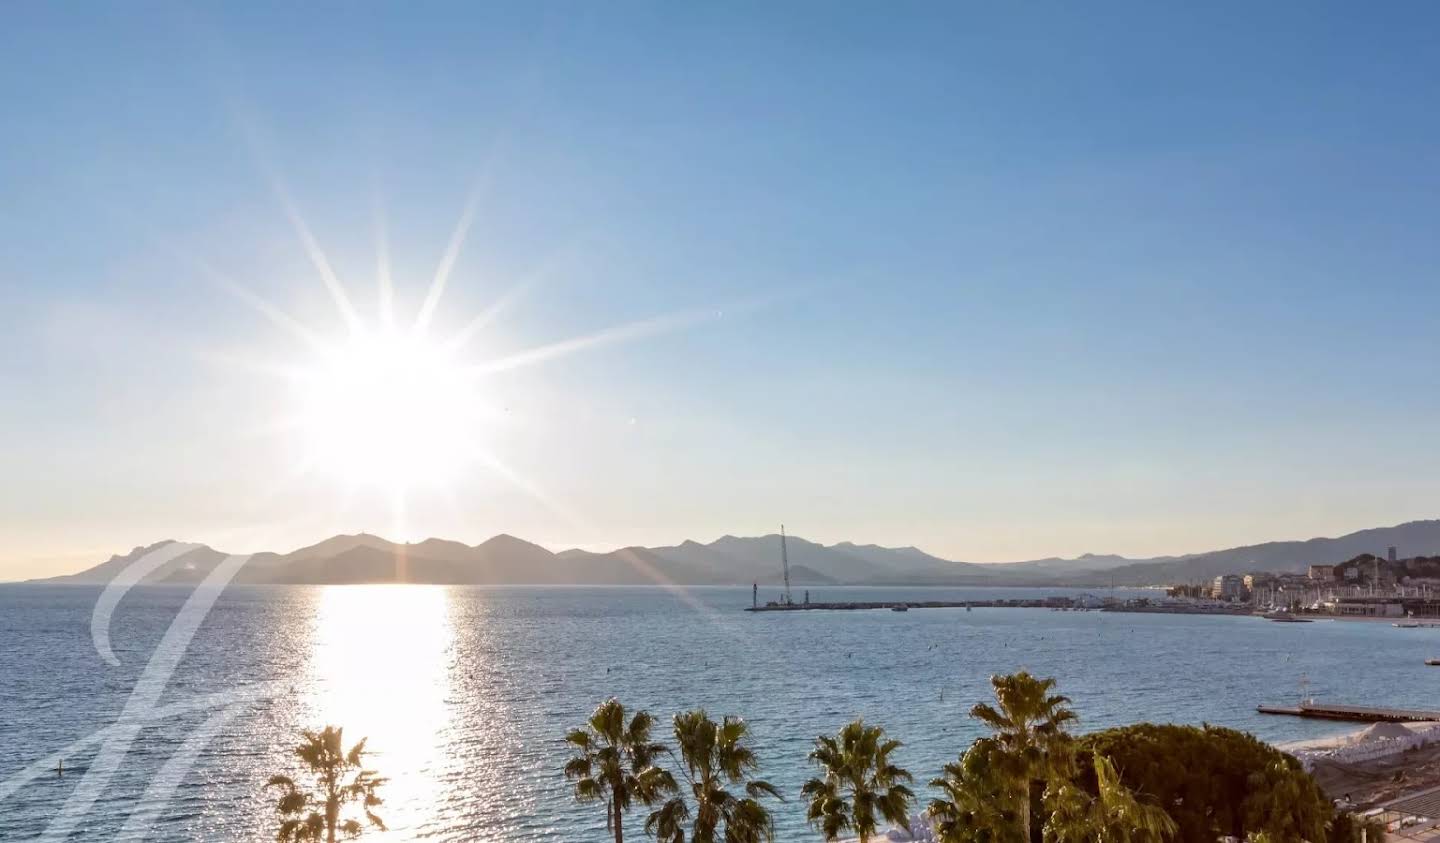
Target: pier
{"x":1039,"y":603}
{"x":1364,"y":714}
{"x":1086,"y":603}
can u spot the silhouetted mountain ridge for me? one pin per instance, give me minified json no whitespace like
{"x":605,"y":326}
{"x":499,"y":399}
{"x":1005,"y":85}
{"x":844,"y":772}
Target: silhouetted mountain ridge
{"x":736,"y":560}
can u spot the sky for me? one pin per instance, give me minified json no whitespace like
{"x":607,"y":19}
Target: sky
{"x":1002,"y":281}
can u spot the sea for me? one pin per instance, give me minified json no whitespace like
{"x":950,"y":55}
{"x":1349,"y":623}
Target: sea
{"x":464,"y":694}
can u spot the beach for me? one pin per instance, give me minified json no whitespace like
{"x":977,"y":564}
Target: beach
{"x":1389,"y":770}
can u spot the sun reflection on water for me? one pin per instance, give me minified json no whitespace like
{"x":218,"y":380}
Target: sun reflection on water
{"x":380,"y":664}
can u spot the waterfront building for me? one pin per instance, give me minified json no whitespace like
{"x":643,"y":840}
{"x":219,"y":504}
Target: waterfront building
{"x":1228,"y":587}
{"x":1254,"y":581}
{"x":1387,"y":607}
{"x":1322,"y":572}
{"x":1370,"y":607}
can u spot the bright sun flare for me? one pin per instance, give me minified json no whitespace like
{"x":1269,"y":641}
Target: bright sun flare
{"x":390,"y":410}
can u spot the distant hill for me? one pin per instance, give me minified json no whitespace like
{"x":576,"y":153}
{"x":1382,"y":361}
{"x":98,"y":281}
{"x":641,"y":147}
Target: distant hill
{"x":735,"y":560}
{"x":1415,"y":538}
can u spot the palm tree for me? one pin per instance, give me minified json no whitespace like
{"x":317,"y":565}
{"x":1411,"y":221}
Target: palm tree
{"x":340,"y":778}
{"x":713,"y":757}
{"x":860,"y":785}
{"x":979,"y":803}
{"x":1113,"y":815}
{"x":614,"y":763}
{"x":1029,"y":726}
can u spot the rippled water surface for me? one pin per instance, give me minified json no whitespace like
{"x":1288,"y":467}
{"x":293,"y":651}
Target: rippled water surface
{"x":466,"y":693}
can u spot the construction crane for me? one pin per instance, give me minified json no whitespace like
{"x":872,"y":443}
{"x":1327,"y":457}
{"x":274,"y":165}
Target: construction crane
{"x":785,"y":565}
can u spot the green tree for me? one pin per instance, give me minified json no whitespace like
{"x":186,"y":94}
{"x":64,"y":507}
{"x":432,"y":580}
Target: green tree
{"x":615,"y":763}
{"x":715,"y":758}
{"x":860,"y":786}
{"x":1029,"y":722}
{"x":979,"y":803}
{"x":1112,"y":815}
{"x":339,"y":777}
{"x":1217,"y":782}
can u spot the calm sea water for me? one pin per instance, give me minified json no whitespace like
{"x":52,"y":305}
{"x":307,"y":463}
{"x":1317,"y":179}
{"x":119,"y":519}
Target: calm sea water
{"x":465,"y":693}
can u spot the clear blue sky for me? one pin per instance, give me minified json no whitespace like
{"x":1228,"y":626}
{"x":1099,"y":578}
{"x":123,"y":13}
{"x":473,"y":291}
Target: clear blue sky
{"x":1000,"y":281}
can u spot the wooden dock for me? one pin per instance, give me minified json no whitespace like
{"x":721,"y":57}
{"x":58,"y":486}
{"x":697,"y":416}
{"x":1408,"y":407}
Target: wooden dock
{"x":1364,"y":714}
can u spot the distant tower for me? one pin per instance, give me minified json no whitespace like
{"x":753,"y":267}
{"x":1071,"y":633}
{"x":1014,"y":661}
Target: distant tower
{"x":755,"y":594}
{"x":785,"y":565}
{"x":1390,"y":554}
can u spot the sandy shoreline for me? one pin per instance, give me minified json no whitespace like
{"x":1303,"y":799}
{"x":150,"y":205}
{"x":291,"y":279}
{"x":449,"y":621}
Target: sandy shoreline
{"x":1368,"y":772}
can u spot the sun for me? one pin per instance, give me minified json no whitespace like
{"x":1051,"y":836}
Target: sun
{"x":389,"y":410}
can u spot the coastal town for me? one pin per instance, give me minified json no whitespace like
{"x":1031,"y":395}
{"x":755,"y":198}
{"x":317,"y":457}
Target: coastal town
{"x":1366,"y":586}
{"x":1406,"y":591}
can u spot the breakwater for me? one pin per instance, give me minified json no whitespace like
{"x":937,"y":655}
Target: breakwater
{"x":905,"y":605}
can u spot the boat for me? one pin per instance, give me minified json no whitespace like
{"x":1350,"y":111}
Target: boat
{"x":1433,"y":662}
{"x":900,"y":608}
{"x":1283,"y":616}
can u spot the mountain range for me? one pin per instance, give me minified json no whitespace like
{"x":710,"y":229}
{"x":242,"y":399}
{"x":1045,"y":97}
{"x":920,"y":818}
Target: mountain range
{"x":733,"y":560}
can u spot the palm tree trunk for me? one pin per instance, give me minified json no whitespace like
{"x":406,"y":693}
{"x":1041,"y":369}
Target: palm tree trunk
{"x":619,"y":834}
{"x":1025,"y":815}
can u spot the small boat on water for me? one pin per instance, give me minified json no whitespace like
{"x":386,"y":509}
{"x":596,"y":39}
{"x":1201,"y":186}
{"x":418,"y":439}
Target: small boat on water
{"x":1433,"y":662}
{"x":900,"y":608}
{"x":1286,"y":617}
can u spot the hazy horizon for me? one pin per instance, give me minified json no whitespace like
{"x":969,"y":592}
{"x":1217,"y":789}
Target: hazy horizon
{"x":88,"y":562}
{"x":998,"y":283}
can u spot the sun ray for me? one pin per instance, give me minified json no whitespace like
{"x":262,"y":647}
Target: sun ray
{"x":447,"y":260}
{"x":489,"y":314}
{"x":240,"y":292}
{"x":630,"y":558}
{"x":609,"y":336}
{"x":522,"y":288}
{"x":386,"y":292}
{"x":401,"y":529}
{"x":281,"y":371}
{"x":250,"y":128}
{"x":524,"y":484}
{"x":271,"y":312}
{"x":317,"y":258}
